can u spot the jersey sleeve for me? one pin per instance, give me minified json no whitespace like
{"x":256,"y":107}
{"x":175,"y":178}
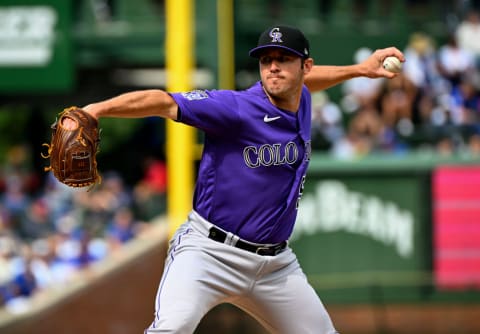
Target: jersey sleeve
{"x":213,"y":111}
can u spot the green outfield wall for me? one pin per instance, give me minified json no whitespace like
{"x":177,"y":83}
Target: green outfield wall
{"x":366,"y":230}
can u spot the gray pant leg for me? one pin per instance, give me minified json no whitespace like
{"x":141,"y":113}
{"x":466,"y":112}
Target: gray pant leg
{"x":183,"y":298}
{"x":284,"y":302}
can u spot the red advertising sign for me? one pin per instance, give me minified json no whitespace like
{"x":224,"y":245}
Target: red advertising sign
{"x":456,"y":227}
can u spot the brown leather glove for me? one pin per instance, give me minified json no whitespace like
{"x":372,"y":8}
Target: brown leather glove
{"x":72,"y":151}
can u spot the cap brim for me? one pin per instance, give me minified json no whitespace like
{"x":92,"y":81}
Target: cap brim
{"x":255,"y":52}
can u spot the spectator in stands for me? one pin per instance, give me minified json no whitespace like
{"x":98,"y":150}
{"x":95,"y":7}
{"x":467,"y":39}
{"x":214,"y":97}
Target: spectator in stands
{"x":42,"y":255}
{"x":397,"y":101}
{"x":21,"y":282}
{"x":5,"y":224}
{"x":36,"y":222}
{"x":421,"y":67}
{"x":122,"y":228}
{"x":454,"y":62}
{"x":65,"y":263}
{"x":97,"y":207}
{"x":151,"y":191}
{"x":327,"y":122}
{"x":84,"y":257}
{"x":115,"y":189}
{"x":58,"y":197}
{"x":474,"y":145}
{"x":445,"y":146}
{"x":367,"y":133}
{"x":15,"y":201}
{"x":465,"y":107}
{"x":25,"y":281}
{"x":18,"y":166}
{"x":7,"y":251}
{"x":155,"y":174}
{"x":468,"y":34}
{"x":351,"y":146}
{"x":363,"y":131}
{"x":361,"y":92}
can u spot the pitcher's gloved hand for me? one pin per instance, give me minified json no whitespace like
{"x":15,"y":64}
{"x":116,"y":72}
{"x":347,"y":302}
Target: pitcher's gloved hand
{"x":73,"y":148}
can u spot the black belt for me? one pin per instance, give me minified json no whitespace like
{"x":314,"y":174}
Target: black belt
{"x":270,"y":250}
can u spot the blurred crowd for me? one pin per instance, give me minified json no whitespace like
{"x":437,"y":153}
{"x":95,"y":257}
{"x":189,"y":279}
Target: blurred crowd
{"x":49,"y":231}
{"x":433,"y":105}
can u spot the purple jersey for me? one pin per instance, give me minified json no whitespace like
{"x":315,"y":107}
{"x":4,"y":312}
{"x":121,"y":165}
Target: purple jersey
{"x":254,"y":160}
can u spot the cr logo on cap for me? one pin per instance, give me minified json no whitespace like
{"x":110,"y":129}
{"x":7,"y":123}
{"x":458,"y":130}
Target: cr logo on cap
{"x":276,"y":35}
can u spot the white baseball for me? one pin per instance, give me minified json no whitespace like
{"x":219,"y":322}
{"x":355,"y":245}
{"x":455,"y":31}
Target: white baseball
{"x":392,"y":64}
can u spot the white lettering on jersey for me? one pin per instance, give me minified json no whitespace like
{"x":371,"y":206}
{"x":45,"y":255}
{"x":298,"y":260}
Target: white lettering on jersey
{"x":300,"y":190}
{"x":308,"y":150}
{"x":268,"y":155}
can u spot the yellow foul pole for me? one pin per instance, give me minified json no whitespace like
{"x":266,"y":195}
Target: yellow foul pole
{"x":225,"y":38}
{"x":180,"y":138}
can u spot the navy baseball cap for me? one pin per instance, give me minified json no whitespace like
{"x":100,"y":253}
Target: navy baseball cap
{"x":284,"y":37}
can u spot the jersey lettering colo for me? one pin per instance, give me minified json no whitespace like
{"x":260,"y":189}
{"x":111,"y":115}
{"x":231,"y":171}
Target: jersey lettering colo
{"x":254,"y":160}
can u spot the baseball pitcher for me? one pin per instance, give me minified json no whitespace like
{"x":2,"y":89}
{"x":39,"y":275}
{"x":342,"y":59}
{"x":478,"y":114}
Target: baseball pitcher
{"x":233,"y":246}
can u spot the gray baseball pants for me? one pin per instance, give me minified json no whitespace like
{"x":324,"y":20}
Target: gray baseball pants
{"x":201,"y":273}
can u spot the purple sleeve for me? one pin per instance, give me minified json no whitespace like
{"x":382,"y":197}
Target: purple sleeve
{"x":214,"y":112}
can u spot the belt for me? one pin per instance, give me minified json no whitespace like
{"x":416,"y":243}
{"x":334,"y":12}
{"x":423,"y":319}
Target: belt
{"x":264,"y":250}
